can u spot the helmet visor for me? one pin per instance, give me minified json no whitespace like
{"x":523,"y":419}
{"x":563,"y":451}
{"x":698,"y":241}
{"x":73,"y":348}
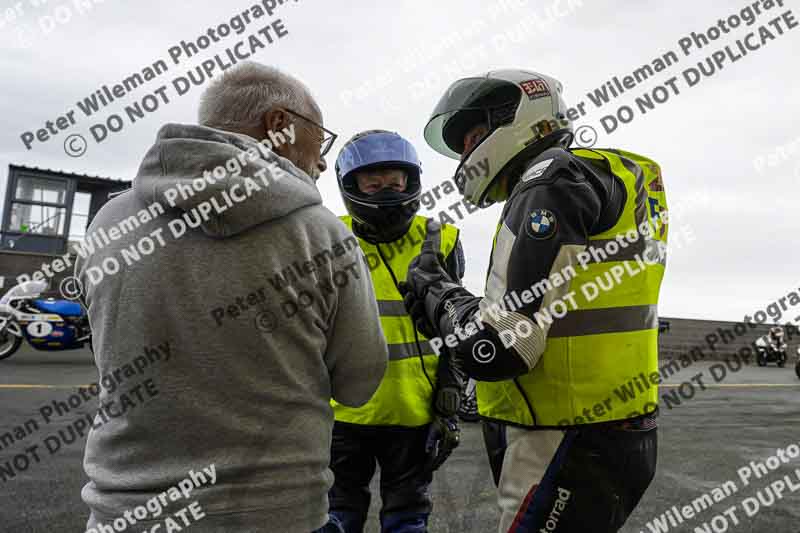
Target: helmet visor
{"x":467,"y":103}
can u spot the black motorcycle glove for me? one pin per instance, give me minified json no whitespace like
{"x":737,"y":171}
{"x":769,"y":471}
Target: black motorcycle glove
{"x":427,"y":285}
{"x":444,"y":436}
{"x":447,"y":401}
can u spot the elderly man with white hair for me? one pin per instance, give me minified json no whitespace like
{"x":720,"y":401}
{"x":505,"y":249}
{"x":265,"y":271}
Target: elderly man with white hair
{"x":219,"y":413}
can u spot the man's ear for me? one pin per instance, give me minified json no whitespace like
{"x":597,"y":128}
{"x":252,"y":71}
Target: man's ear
{"x":275,"y":120}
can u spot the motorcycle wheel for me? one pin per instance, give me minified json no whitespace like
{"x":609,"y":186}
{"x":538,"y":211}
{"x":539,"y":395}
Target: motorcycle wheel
{"x":8,"y":344}
{"x":761,"y":359}
{"x":782,"y":360}
{"x":797,"y":369}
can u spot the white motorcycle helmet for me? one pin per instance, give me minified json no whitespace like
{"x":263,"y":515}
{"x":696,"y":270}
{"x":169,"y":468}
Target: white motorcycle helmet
{"x":525,"y":114}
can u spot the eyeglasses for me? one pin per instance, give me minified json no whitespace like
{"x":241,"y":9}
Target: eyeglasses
{"x":327,"y":141}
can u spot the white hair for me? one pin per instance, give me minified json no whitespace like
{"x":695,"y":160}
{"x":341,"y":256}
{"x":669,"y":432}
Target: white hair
{"x":238,"y":100}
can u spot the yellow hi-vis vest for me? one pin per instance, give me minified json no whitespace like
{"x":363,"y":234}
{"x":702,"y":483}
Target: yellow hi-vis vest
{"x":405,"y":396}
{"x":601,"y":359}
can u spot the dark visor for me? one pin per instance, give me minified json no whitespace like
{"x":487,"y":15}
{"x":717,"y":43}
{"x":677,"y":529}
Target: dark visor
{"x":466,"y":103}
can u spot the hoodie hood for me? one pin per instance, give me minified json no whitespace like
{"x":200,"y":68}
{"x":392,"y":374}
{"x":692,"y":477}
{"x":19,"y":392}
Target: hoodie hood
{"x":199,"y":169}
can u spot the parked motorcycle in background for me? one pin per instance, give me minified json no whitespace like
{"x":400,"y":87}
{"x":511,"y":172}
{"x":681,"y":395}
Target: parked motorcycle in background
{"x":771,"y":348}
{"x":47,"y":324}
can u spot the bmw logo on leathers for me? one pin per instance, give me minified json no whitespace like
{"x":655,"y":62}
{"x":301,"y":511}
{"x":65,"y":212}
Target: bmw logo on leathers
{"x":541,"y":224}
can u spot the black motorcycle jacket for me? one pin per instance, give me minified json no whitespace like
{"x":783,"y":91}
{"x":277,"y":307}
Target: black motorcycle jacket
{"x":557,"y":203}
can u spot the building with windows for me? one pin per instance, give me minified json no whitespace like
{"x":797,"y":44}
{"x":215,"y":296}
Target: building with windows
{"x":44,"y":212}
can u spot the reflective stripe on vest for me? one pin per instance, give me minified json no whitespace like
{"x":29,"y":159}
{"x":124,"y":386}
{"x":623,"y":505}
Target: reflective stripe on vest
{"x":409,"y":349}
{"x":607,"y":343}
{"x":392,"y":308}
{"x":404,"y":396}
{"x":611,"y":320}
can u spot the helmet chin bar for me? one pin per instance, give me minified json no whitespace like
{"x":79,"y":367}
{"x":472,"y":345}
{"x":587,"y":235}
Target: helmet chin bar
{"x":387,"y":225}
{"x":386,"y":219}
{"x":516,"y":166}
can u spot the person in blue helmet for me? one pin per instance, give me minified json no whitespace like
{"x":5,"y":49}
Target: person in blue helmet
{"x":409,"y":427}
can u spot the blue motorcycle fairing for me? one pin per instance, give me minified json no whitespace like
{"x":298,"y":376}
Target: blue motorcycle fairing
{"x":59,"y":307}
{"x":61,"y":338}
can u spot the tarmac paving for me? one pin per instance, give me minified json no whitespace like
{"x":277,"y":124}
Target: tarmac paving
{"x":706,"y":440}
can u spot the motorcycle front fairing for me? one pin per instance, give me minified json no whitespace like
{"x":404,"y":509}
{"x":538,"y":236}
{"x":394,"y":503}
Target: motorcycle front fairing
{"x":59,"y":326}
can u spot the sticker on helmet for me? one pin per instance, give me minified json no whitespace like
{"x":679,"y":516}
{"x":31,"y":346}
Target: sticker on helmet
{"x":541,"y":224}
{"x":535,"y":88}
{"x":537,"y":170}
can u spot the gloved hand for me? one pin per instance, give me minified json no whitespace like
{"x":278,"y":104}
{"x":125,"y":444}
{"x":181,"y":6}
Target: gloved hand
{"x":443,"y":437}
{"x":447,"y":401}
{"x":426,"y":283}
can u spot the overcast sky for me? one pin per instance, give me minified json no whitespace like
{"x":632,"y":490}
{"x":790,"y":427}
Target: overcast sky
{"x":385,"y":64}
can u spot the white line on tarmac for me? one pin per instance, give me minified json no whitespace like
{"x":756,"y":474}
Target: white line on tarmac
{"x":29,"y":386}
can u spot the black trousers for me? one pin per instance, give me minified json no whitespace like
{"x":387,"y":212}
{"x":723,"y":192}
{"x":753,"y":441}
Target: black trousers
{"x":594,"y":482}
{"x":404,"y":485}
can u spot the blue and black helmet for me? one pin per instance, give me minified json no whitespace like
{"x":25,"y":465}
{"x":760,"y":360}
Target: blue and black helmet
{"x":386,"y":215}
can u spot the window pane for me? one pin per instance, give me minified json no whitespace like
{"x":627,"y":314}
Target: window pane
{"x":80,"y":216}
{"x":77,"y":226}
{"x":80,"y":204}
{"x":38,"y":219}
{"x":41,"y":190}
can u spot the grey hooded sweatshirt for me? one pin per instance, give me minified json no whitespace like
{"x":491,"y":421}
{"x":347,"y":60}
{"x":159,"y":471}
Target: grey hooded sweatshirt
{"x":226,"y":310}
